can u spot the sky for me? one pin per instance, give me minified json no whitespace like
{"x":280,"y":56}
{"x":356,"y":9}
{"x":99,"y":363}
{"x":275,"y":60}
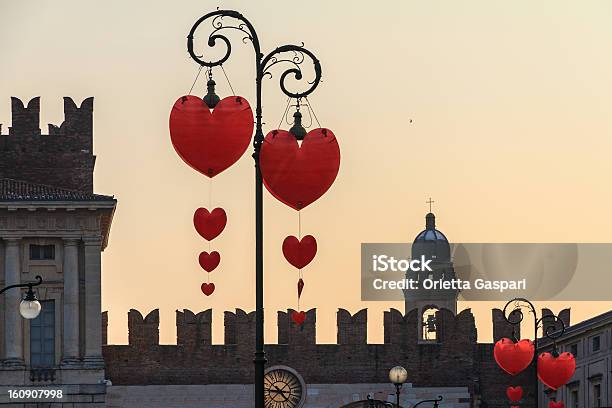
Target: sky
{"x":510,"y":136}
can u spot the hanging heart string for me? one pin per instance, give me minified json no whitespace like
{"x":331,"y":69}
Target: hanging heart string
{"x":298,"y":167}
{"x":210,"y":134}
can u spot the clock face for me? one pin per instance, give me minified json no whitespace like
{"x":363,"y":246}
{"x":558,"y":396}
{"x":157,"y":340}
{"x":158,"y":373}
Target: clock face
{"x":283,"y":388}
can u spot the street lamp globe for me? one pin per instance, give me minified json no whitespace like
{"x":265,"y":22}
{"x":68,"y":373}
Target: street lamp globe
{"x":30,"y":307}
{"x":398,"y":375}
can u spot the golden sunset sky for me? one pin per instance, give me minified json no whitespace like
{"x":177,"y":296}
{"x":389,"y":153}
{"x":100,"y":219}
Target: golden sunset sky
{"x":511,"y":136}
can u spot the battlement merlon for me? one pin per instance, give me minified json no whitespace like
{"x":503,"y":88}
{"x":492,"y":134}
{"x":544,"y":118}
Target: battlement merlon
{"x":64,"y":158}
{"x":78,"y":120}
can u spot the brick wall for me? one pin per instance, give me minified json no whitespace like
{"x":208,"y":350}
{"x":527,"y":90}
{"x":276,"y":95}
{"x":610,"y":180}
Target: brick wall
{"x":62,"y":158}
{"x":455,"y":359}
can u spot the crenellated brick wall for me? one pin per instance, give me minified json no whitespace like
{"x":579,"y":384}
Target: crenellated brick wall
{"x":63,"y":158}
{"x":455,"y":359}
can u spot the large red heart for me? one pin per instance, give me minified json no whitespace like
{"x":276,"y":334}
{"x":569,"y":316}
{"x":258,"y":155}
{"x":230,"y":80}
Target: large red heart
{"x":556,"y":404}
{"x":209,"y":262}
{"x":298,"y":317}
{"x":208,"y":288}
{"x":513,"y":357}
{"x":295,"y":174}
{"x":209,"y":224}
{"x":210,"y":142}
{"x":299,"y":253}
{"x":514,"y":393}
{"x":556,"y":371}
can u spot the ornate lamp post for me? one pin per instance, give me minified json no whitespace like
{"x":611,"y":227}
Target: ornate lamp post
{"x":263,"y":63}
{"x":552,"y":332}
{"x":30,"y":307}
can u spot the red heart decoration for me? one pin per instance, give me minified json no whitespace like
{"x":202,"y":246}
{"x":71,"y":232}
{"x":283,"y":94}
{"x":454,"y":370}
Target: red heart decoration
{"x":514,"y":393}
{"x":295,"y":174}
{"x":513,"y":357}
{"x":210,"y":142}
{"x":556,"y":371}
{"x":208,"y":288}
{"x":209,"y":224}
{"x":209,"y":262}
{"x":299,"y":253}
{"x":300,"y":287}
{"x":556,"y":404}
{"x":298,"y":317}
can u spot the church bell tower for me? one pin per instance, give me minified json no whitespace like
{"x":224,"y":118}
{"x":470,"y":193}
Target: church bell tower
{"x":431,"y":244}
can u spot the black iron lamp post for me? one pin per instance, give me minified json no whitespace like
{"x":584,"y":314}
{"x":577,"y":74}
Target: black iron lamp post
{"x":552,"y":332}
{"x":294,"y":55}
{"x":30,"y":307}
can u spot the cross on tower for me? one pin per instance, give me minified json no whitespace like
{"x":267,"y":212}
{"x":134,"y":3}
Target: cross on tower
{"x":430,"y":202}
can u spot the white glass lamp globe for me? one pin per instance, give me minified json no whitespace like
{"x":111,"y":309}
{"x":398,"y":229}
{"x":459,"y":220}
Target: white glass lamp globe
{"x":398,"y":375}
{"x":30,"y":307}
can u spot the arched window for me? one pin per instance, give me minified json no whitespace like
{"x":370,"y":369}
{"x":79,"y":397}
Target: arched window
{"x":428,"y":323}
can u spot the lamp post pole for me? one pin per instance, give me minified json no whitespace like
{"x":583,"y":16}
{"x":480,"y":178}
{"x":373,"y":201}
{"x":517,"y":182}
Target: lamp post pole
{"x":263,"y":63}
{"x":515,"y":317}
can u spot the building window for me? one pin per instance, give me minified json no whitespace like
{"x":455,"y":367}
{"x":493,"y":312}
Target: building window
{"x":42,"y":252}
{"x":573,"y":398}
{"x":596,"y":395}
{"x":42,"y":336}
{"x":574,"y":349}
{"x":596,"y":343}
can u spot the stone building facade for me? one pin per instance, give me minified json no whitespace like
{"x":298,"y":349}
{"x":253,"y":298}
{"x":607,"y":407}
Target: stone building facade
{"x":590,"y":342}
{"x":52,"y":225}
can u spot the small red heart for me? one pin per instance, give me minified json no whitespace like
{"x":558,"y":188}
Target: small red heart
{"x":209,"y":262}
{"x":556,"y":404}
{"x":209,"y":224}
{"x":299,"y":253}
{"x":300,"y":287}
{"x":513,"y":357}
{"x":210,"y":142}
{"x":208,"y":288}
{"x":514,"y":393}
{"x":556,"y":371}
{"x":298,"y":174}
{"x":298,"y":317}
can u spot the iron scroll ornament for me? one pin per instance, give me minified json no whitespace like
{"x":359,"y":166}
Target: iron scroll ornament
{"x":516,"y":316}
{"x":30,"y":285}
{"x":262,"y":63}
{"x":373,"y":403}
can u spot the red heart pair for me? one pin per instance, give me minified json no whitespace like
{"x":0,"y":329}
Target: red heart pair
{"x":295,"y":174}
{"x":556,"y":404}
{"x":513,"y":357}
{"x":514,"y":393}
{"x":299,"y":253}
{"x":556,"y":371}
{"x":210,"y":142}
{"x":209,"y":262}
{"x":208,"y":288}
{"x":298,"y":317}
{"x":209,"y":224}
